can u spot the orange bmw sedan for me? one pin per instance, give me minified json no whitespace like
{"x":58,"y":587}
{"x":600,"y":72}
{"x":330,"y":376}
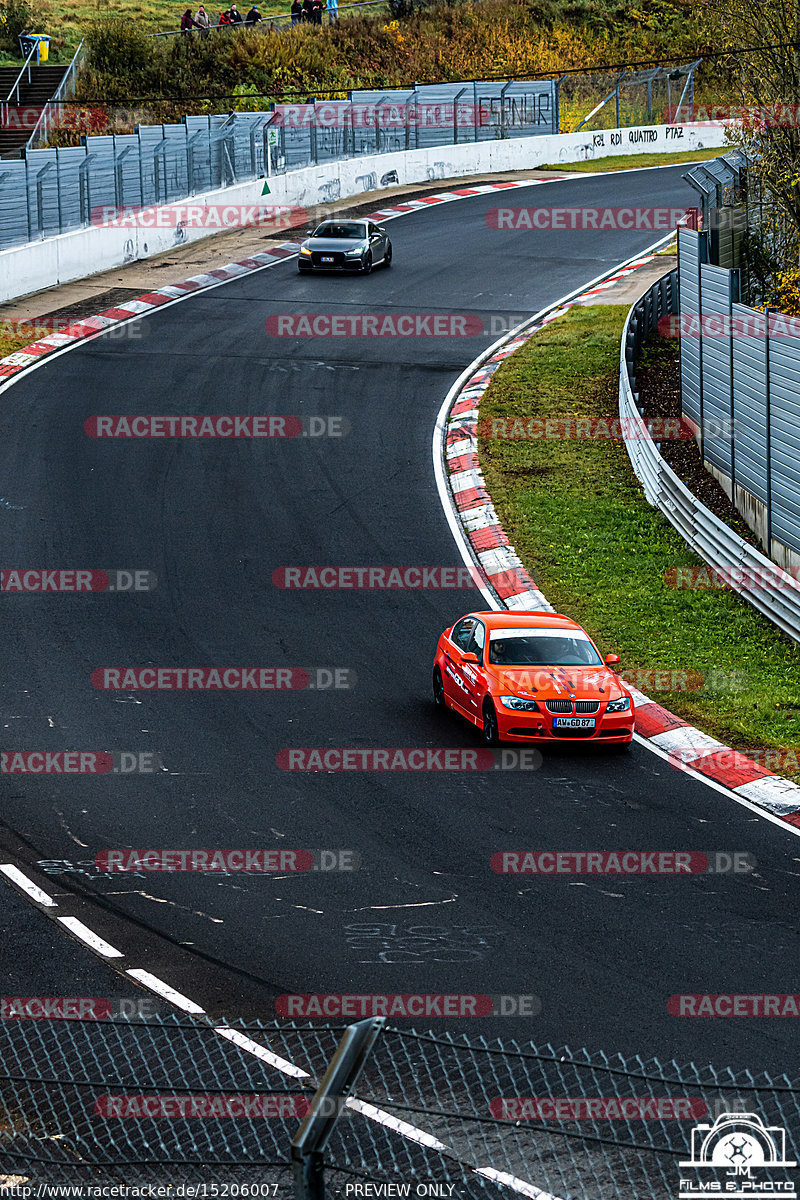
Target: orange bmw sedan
{"x":531,"y":677}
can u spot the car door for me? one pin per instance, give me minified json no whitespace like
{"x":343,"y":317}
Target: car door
{"x":377,"y":243}
{"x":473,"y":673}
{"x":455,"y":646}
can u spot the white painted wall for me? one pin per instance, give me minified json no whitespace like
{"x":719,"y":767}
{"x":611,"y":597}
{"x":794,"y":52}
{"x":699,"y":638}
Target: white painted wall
{"x":55,"y":260}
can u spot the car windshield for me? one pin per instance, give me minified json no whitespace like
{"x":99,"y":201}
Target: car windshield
{"x":541,"y":648}
{"x":349,"y":229}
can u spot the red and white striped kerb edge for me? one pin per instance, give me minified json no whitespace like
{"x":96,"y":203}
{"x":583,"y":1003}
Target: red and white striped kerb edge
{"x":12,"y":364}
{"x":515,"y":588}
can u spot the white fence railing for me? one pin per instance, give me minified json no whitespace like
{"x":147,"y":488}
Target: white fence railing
{"x":740,"y":564}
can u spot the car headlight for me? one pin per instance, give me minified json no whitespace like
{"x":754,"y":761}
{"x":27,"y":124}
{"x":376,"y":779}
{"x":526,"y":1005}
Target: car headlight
{"x":516,"y":702}
{"x":358,"y":250}
{"x":621,"y":705}
{"x":304,"y":250}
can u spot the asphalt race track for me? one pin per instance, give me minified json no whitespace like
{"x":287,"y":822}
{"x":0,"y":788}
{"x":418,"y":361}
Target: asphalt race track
{"x":214,"y":520}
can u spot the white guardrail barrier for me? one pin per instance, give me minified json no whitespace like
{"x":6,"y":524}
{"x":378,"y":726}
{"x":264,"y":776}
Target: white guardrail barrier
{"x":741,"y":565}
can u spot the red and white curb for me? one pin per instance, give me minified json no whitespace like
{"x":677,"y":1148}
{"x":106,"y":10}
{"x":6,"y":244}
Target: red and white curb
{"x":684,"y":746}
{"x":88,"y":327}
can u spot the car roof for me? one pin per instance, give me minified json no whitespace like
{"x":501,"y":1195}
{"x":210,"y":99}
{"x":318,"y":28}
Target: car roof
{"x":525,"y":620}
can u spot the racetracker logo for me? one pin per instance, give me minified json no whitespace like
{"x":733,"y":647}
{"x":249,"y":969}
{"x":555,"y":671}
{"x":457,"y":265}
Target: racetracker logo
{"x":585,"y":429}
{"x":585,"y":219}
{"x":600,"y":1108}
{"x":199,"y":1107}
{"x":73,"y":1008}
{"x":68,"y":582}
{"x":79,"y":762}
{"x":395,"y":1004}
{"x":756,"y":325}
{"x":751,"y":116}
{"x":767,"y":578}
{"x":732,"y":1005}
{"x":621,"y":862}
{"x":200,"y":679}
{"x":214,"y":426}
{"x":402,"y":325}
{"x":384,"y":578}
{"x":225,"y":862}
{"x":779,"y":761}
{"x":328,"y":758}
{"x":200,"y":216}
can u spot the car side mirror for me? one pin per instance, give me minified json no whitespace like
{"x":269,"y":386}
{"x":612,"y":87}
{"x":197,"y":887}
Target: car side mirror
{"x":309,"y":233}
{"x":381,"y":229}
{"x":469,"y":657}
{"x":611,"y":659}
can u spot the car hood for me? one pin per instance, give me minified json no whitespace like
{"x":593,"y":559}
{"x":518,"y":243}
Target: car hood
{"x":559,"y":683}
{"x":326,"y":245}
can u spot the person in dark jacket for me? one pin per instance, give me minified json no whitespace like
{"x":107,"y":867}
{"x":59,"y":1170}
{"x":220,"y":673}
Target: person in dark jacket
{"x":307,"y":17}
{"x":253,"y":17}
{"x":224,"y":18}
{"x":235,"y":15}
{"x":297,"y":12}
{"x":188,"y":22}
{"x":316,"y":12}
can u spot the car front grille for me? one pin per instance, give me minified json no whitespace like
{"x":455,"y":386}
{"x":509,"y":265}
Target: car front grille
{"x":586,"y":706}
{"x":559,"y":706}
{"x":317,"y":256}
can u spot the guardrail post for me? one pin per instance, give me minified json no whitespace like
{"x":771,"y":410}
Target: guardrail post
{"x":455,"y":116}
{"x":768,"y":407}
{"x":309,"y":1142}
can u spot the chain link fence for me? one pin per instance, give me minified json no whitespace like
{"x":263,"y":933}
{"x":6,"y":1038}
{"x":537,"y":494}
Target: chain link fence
{"x":174,"y":1100}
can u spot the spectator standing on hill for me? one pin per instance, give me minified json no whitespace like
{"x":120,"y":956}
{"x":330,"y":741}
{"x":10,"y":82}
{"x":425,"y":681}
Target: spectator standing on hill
{"x":297,"y":12}
{"x":316,"y":12}
{"x":307,"y":17}
{"x":333,"y":12}
{"x":224,"y":18}
{"x":253,"y":17}
{"x":235,"y":15}
{"x":187,"y":22}
{"x":202,"y":21}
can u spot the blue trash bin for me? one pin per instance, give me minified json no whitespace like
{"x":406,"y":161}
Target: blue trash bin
{"x":42,"y":43}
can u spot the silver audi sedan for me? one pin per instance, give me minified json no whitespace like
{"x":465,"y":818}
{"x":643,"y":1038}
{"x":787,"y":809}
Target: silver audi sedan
{"x":345,"y":246}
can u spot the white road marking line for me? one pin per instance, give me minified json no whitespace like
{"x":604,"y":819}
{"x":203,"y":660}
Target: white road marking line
{"x":164,"y":990}
{"x":15,"y":875}
{"x":92,"y":940}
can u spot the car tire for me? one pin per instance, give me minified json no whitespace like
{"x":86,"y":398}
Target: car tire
{"x":438,"y":690}
{"x":491,"y":732}
{"x":367,"y":267}
{"x":387,"y":258}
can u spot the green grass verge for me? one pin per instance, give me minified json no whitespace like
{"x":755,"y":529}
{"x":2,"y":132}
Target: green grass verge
{"x":637,"y":160}
{"x":579,"y":520}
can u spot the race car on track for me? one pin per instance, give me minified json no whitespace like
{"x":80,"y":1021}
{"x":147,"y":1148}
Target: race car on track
{"x":531,"y":676}
{"x":356,"y":245}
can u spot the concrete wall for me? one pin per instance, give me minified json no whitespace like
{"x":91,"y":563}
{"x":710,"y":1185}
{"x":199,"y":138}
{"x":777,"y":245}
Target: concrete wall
{"x":42,"y":264}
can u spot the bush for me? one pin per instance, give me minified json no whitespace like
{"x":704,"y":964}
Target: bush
{"x":16,"y":17}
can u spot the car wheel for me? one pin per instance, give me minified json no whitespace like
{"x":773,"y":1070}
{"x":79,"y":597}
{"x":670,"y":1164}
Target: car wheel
{"x":387,"y":258}
{"x":367,"y":267}
{"x":438,"y":690}
{"x":491,"y":732}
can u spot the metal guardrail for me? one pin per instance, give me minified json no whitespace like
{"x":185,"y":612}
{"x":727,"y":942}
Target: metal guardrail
{"x":709,"y":537}
{"x":52,"y":110}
